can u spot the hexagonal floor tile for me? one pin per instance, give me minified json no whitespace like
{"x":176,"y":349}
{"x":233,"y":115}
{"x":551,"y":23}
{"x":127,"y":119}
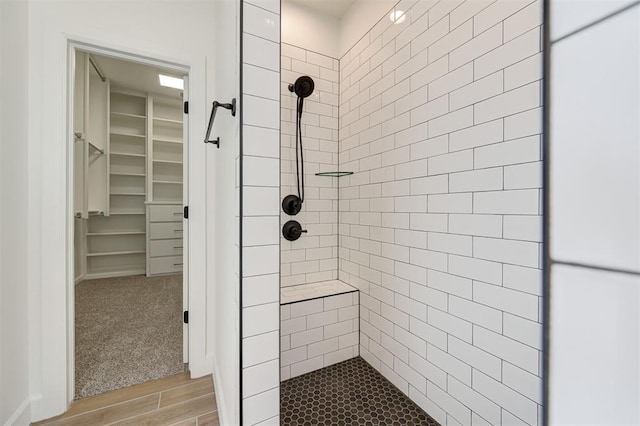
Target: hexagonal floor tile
{"x":348,"y":393}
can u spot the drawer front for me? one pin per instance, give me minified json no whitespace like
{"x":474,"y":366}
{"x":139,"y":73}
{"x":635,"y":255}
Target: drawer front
{"x":166,"y":230}
{"x":165,"y":265}
{"x":165,"y":213}
{"x":159,"y":248}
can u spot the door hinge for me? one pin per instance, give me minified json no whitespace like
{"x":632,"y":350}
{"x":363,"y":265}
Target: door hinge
{"x":186,"y":317}
{"x":186,"y":107}
{"x":186,"y":212}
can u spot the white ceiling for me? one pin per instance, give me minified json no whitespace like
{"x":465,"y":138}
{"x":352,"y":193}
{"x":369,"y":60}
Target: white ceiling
{"x":134,"y":76}
{"x":335,"y":8}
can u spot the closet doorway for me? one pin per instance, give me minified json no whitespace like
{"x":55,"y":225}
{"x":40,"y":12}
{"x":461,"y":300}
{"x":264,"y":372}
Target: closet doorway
{"x":129,"y":180}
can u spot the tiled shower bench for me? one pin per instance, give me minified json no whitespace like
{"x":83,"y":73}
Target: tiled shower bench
{"x":319,"y":326}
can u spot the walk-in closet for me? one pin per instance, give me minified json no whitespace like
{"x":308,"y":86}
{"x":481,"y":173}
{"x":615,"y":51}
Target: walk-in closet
{"x":128,"y":235}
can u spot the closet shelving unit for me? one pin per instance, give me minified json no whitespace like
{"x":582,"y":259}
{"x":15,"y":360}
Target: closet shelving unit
{"x":138,"y":229}
{"x":116,"y":241}
{"x":165,"y":184}
{"x":166,"y":150}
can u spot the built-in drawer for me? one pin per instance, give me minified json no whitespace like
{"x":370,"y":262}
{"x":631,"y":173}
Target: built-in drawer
{"x":165,"y":265}
{"x":165,"y":213}
{"x":159,"y":248}
{"x":165,"y":230}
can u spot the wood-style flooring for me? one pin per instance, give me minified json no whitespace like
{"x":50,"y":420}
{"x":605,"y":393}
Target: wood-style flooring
{"x":172,"y":401}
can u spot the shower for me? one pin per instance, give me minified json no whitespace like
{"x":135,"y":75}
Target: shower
{"x":420,"y":279}
{"x":292,"y":204}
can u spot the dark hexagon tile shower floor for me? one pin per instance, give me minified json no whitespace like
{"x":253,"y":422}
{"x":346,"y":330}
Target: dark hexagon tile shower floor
{"x":349,"y":393}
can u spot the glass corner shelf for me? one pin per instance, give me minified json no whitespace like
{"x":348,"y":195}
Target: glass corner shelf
{"x":335,"y":174}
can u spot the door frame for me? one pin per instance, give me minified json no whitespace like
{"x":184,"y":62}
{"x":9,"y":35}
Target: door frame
{"x":193,"y":280}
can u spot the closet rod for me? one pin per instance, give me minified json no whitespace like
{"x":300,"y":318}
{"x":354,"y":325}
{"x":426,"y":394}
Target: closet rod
{"x":97,"y":68}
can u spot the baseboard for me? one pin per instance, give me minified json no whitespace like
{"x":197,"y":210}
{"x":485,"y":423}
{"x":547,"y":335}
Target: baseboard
{"x":223,"y":416}
{"x":22,"y":416}
{"x":199,"y":367}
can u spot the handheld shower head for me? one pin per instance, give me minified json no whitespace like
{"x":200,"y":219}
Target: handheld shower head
{"x":303,"y":87}
{"x":292,"y":204}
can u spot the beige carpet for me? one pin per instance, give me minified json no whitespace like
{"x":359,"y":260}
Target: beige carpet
{"x":128,"y":331}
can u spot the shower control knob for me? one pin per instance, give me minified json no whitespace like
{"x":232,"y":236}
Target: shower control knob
{"x":292,"y":230}
{"x":291,"y":205}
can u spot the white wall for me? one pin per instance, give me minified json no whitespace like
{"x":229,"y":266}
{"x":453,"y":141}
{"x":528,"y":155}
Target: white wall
{"x":14,"y":350}
{"x":440,"y":225}
{"x":321,"y":33}
{"x":594,"y":213}
{"x":310,"y":29}
{"x":161,"y":35}
{"x":359,"y":19}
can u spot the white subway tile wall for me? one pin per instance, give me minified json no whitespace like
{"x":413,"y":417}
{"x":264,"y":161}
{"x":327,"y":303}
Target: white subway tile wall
{"x":317,"y":333}
{"x":260,"y":104}
{"x":314,"y":257}
{"x":440,"y":225}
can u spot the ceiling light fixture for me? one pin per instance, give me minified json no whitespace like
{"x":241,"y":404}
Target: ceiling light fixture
{"x":173,"y":82}
{"x":397,"y":16}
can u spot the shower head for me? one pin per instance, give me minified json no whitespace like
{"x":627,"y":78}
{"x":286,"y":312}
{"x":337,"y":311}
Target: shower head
{"x":303,"y":86}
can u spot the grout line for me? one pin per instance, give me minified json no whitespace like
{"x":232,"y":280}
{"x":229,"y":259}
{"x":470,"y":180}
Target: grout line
{"x":252,"y":95}
{"x":260,"y":37}
{"x":252,"y":3}
{"x":249,"y":64}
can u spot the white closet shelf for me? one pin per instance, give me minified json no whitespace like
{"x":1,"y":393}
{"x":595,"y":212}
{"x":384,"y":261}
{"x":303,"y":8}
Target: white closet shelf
{"x":126,"y":154}
{"x":170,"y":182}
{"x":128,"y":174}
{"x":100,"y":234}
{"x":126,"y":114}
{"x":165,"y":203}
{"x":167,"y":121}
{"x":167,"y":140}
{"x":132,"y":135}
{"x":127,"y":213}
{"x":127,"y":92}
{"x":134,"y":194}
{"x":167,"y":161}
{"x":116,"y":253}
